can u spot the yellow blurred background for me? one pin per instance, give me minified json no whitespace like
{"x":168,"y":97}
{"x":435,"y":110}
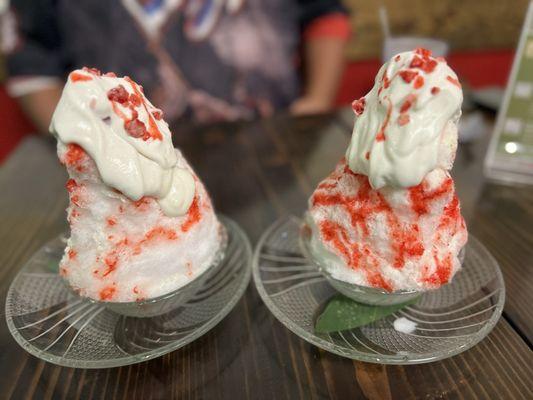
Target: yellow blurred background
{"x":464,"y":24}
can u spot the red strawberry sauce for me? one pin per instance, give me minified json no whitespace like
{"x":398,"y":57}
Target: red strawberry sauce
{"x":404,"y":238}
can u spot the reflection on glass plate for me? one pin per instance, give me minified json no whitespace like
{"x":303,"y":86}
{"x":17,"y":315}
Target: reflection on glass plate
{"x":448,"y":321}
{"x":54,"y":324}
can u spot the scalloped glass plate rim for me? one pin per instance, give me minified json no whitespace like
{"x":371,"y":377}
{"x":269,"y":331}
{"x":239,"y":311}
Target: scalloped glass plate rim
{"x":134,"y":359}
{"x":385,"y":359}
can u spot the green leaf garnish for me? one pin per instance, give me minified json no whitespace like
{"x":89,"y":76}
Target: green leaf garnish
{"x":343,"y":313}
{"x":52,"y":266}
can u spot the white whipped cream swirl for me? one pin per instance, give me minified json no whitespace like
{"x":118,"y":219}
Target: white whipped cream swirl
{"x":406,"y":126}
{"x":111,"y":132}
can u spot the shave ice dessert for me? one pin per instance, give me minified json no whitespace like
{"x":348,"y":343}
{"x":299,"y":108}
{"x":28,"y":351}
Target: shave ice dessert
{"x":388,"y":216}
{"x":142,"y":224}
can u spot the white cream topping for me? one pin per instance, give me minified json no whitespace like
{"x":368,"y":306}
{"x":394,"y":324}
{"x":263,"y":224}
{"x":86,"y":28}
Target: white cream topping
{"x":136,"y":166}
{"x":396,"y":145}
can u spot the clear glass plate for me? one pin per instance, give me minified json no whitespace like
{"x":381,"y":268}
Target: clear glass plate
{"x":54,"y":324}
{"x":449,"y":320}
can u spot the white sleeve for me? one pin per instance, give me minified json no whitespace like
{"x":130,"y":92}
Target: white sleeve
{"x":22,"y":85}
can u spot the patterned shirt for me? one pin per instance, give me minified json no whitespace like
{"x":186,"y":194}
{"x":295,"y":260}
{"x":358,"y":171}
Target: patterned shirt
{"x":202,"y":59}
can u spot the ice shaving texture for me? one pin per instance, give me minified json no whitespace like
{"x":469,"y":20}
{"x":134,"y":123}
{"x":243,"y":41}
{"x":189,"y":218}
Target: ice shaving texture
{"x":406,"y":126}
{"x":388,"y":216}
{"x":128,"y":244}
{"x":387,"y":238}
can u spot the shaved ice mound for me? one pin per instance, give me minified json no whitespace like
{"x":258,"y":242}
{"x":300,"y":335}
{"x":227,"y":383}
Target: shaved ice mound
{"x":142,"y":224}
{"x":122,"y":250}
{"x":388,"y":217}
{"x":392,"y":239}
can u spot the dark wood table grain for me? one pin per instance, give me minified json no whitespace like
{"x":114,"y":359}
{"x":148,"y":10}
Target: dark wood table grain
{"x":257,"y":172}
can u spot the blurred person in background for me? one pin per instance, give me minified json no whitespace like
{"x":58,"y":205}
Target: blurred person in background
{"x":206,"y":60}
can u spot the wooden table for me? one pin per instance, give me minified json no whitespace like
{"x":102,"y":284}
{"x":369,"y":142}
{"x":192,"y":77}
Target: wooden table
{"x":256,"y":172}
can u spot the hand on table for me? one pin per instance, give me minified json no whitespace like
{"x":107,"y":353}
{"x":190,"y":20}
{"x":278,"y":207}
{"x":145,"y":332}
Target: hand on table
{"x":307,"y":105}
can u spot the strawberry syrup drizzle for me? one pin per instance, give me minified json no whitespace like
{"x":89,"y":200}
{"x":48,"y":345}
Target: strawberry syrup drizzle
{"x":108,"y":292}
{"x":140,"y":205}
{"x":442,"y":272}
{"x":380,"y":137}
{"x":156,"y":234}
{"x":405,"y":239}
{"x":386,"y":81}
{"x":453,"y":81}
{"x":421,"y":197}
{"x":360,"y":208}
{"x":77,"y":77}
{"x":134,"y":247}
{"x":410,"y":99}
{"x":335,"y":234}
{"x":193,"y":215}
{"x":159,"y":232}
{"x":325,"y":185}
{"x":74,"y":157}
{"x":111,"y":262}
{"x":403,"y":119}
{"x":73,"y":189}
